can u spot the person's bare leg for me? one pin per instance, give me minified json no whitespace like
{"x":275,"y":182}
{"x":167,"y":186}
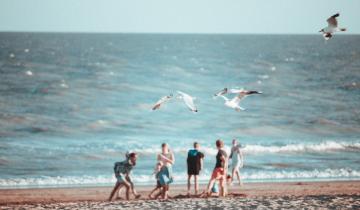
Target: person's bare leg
{"x":233,"y":175}
{"x":225,"y":186}
{"x":167,"y":192}
{"x":196,"y":184}
{"x":189,"y":185}
{"x":118,"y":192}
{"x":222,"y":187}
{"x":127,"y":192}
{"x":116,"y":188}
{"x":238,"y":176}
{"x":210,"y":185}
{"x":159,"y":193}
{"x":152,"y":192}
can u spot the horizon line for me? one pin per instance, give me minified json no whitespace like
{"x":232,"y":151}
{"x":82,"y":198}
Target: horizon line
{"x":164,"y":33}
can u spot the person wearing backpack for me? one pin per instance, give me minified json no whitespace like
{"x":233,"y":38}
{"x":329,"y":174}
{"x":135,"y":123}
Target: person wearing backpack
{"x":194,"y":165}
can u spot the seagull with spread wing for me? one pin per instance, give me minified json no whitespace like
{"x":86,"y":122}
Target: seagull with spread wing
{"x":332,"y":27}
{"x":241,"y":94}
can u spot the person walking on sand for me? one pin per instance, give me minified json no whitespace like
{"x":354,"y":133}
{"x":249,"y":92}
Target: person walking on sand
{"x":194,"y":166}
{"x":237,"y":160}
{"x":122,"y":173}
{"x":165,"y":175}
{"x":220,"y":170}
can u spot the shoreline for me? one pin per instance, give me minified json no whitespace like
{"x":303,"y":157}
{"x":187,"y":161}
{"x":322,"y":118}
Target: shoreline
{"x":248,"y":190}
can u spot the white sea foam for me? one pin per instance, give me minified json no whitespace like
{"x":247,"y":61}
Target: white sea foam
{"x":343,"y":173}
{"x":326,"y":146}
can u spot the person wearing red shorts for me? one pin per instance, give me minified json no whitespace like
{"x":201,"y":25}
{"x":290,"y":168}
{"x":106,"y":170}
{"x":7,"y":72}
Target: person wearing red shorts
{"x":220,"y":170}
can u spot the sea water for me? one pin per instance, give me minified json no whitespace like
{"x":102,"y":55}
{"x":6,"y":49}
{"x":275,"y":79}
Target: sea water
{"x":73,"y":104}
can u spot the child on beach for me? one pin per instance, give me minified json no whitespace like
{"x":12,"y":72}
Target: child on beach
{"x":158,"y":167}
{"x":214,"y":191}
{"x":122,"y":173}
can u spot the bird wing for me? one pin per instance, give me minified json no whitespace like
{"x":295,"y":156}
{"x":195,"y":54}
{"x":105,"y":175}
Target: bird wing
{"x":161,"y":101}
{"x":236,"y":90}
{"x":225,"y":98}
{"x":238,"y":98}
{"x":222,"y":92}
{"x":332,"y":20}
{"x":188,"y":100}
{"x":189,"y":103}
{"x":250,"y":92}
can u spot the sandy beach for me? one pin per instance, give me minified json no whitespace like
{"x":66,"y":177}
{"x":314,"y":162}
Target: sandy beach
{"x":298,"y":195}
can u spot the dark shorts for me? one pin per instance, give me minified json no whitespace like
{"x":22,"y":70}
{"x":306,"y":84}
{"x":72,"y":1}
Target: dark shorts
{"x":158,"y":183}
{"x":193,"y":171}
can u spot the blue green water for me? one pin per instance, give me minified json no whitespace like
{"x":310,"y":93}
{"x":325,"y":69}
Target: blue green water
{"x":73,"y":104}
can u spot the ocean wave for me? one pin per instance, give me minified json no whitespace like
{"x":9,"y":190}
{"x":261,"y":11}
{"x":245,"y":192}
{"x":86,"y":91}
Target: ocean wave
{"x":180,"y":178}
{"x":327,"y":146}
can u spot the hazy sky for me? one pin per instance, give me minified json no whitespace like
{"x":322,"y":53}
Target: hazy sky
{"x":180,"y":16}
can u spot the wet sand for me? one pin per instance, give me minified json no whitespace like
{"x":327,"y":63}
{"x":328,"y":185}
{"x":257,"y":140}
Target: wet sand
{"x":339,"y":194}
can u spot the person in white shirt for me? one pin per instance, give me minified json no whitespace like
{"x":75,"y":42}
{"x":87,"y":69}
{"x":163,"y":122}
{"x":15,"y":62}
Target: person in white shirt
{"x":237,"y":160}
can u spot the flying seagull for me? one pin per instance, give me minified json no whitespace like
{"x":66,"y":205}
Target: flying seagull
{"x":162,"y":101}
{"x":332,"y":27}
{"x":188,"y":100}
{"x":234,"y":102}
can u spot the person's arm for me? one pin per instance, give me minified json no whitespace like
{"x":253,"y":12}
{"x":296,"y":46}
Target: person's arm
{"x":231,"y":153}
{"x":241,"y":158}
{"x":202,"y":161}
{"x":170,"y":160}
{"x":224,"y":159}
{"x":187,"y":160}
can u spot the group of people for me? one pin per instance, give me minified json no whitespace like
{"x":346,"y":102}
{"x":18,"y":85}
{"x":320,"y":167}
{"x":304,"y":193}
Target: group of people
{"x":195,"y":159}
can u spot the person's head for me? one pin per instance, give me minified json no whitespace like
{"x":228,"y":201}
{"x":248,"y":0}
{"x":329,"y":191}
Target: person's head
{"x":228,"y":178}
{"x":196,"y":145}
{"x":234,"y":142}
{"x":164,"y":148}
{"x":219,"y":144}
{"x":132,"y":158}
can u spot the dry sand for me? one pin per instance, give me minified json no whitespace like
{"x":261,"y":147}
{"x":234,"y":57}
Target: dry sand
{"x":299,"y":195}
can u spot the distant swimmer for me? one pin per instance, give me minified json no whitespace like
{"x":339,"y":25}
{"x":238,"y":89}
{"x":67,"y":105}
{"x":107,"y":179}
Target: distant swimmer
{"x":162,"y":101}
{"x":332,"y":27}
{"x":241,"y":94}
{"x":188,"y":100}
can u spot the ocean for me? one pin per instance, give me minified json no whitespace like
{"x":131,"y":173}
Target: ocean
{"x":72,"y":104}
